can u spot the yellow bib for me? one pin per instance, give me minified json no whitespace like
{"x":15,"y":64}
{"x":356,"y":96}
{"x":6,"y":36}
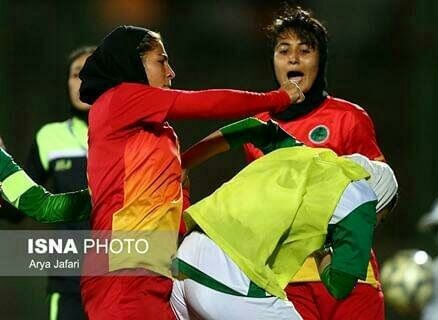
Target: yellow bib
{"x":274,"y":213}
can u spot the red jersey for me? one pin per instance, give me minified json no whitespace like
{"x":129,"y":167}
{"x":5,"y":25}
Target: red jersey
{"x":338,"y":125}
{"x":134,"y":167}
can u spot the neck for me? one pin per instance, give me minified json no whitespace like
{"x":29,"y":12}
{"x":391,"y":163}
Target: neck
{"x":80,"y":114}
{"x":314,"y":97}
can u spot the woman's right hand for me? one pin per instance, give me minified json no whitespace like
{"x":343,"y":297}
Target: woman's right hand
{"x":294,"y":91}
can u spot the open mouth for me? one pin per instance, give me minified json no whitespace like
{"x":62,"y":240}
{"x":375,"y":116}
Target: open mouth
{"x":295,"y":76}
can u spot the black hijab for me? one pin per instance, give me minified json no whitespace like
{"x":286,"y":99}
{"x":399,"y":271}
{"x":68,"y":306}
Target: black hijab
{"x":116,"y":60}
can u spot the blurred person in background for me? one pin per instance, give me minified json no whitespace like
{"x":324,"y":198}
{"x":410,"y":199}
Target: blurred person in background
{"x":59,"y":155}
{"x":300,"y":49}
{"x":429,"y":223}
{"x":134,"y":169}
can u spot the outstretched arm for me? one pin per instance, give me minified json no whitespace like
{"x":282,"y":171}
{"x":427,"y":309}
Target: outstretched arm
{"x":137,"y":103}
{"x":22,"y":192}
{"x":268,"y":136}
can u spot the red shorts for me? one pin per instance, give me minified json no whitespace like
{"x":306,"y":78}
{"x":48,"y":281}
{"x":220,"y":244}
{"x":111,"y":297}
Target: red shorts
{"x":127,"y":297}
{"x":314,"y":302}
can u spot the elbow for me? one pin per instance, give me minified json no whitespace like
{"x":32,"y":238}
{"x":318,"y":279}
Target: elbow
{"x":341,"y":293}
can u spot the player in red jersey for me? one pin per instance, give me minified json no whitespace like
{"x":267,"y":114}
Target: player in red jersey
{"x":134,"y":167}
{"x":300,"y":54}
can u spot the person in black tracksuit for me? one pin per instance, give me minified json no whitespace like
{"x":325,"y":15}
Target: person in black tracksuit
{"x":59,"y":154}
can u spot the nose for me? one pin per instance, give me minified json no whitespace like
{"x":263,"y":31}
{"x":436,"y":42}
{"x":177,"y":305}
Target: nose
{"x":294,"y":57}
{"x":170,"y":73}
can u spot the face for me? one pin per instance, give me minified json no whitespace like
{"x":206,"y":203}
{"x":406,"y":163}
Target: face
{"x":74,"y":82}
{"x":157,"y":67}
{"x":296,"y":61}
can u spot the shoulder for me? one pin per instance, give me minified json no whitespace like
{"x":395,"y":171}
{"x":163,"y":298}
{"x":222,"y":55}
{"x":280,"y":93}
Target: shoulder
{"x":356,"y":194}
{"x":132,"y":86}
{"x":351,"y":111}
{"x":344,"y":105}
{"x":128,"y":88}
{"x":52,"y":136}
{"x":49,"y":129}
{"x":134,"y":92}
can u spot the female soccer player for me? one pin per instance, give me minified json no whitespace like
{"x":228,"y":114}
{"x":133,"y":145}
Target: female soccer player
{"x":300,"y":53}
{"x":134,"y":170}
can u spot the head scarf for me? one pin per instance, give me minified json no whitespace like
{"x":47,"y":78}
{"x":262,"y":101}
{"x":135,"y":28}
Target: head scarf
{"x":382,"y":179}
{"x":115,"y":60}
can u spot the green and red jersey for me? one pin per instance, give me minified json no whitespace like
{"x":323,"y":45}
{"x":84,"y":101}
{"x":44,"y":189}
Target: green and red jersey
{"x":337,"y":124}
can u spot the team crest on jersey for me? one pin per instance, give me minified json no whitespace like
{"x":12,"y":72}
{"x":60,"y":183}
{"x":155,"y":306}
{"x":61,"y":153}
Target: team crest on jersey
{"x":319,"y":134}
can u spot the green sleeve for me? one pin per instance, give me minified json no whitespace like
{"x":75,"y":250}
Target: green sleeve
{"x":338,"y":283}
{"x":352,"y":239}
{"x":267,"y":136}
{"x":7,"y":165}
{"x":245,"y":131}
{"x":43,"y":206}
{"x":21,"y":191}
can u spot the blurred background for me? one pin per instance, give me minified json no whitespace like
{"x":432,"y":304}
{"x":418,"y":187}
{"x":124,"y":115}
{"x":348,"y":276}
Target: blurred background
{"x":382,"y":56}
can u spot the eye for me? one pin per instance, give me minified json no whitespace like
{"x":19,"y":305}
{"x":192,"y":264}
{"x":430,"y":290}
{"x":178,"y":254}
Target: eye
{"x":305,"y":50}
{"x":283,"y":50}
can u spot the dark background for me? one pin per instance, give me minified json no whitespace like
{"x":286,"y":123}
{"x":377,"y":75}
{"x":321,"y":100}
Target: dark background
{"x":382,"y":57}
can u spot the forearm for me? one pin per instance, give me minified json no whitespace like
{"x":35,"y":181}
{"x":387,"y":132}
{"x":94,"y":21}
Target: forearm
{"x":226,"y":104}
{"x":43,"y":206}
{"x":204,"y":150}
{"x":267,"y":136}
{"x":226,"y":138}
{"x":339,"y":284}
{"x":350,"y":245}
{"x":23,"y":193}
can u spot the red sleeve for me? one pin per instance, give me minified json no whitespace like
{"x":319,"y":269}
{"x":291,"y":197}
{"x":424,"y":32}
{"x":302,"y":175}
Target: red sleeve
{"x":362,"y":137}
{"x":223,"y":104}
{"x":136,"y":103}
{"x":251,"y":152}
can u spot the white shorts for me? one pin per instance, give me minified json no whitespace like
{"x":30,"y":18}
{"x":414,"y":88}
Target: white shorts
{"x":192,"y":300}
